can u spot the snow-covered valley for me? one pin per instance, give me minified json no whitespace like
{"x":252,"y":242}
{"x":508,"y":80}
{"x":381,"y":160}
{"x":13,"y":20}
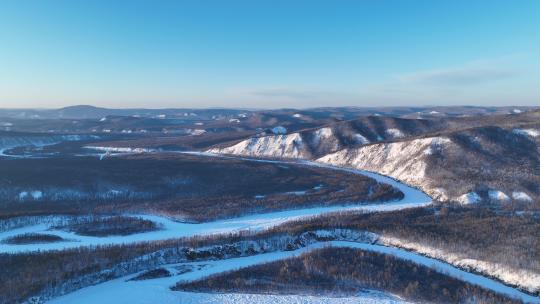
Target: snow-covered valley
{"x":124,"y":291}
{"x":269,"y":152}
{"x":158,"y":290}
{"x":257,"y":222}
{"x":389,"y":156}
{"x":173,"y":229}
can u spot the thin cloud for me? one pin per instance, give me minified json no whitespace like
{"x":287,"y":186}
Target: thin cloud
{"x":457,"y":76}
{"x":289,"y":93}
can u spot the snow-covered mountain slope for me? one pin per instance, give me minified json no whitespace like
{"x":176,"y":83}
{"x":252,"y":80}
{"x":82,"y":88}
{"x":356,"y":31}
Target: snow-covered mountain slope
{"x":286,"y":146}
{"x":404,"y":160}
{"x":488,"y":163}
{"x":313,"y":143}
{"x":524,"y":278}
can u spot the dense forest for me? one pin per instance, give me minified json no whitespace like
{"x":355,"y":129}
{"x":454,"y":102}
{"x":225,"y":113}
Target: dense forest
{"x":346,"y":271}
{"x":106,"y":226}
{"x":175,"y":185}
{"x":500,"y":237}
{"x":503,"y":237}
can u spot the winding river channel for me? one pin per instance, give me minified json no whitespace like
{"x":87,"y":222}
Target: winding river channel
{"x":173,"y":229}
{"x":158,"y":290}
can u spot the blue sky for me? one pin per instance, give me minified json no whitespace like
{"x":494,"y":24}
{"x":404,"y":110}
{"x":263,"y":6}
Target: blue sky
{"x":268,"y":53}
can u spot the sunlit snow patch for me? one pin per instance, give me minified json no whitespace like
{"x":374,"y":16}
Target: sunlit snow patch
{"x":469,"y":198}
{"x":521,"y":196}
{"x":395,"y":133}
{"x":498,"y":195}
{"x":120,"y":149}
{"x":527,"y":132}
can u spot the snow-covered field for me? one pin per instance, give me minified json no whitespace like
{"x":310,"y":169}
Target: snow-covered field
{"x":158,"y":290}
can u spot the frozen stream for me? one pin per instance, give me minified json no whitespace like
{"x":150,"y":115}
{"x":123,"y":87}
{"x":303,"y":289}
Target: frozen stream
{"x":172,"y":229}
{"x":158,"y":290}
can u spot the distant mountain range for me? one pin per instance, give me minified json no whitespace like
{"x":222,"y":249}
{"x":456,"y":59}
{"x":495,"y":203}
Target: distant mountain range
{"x":92,"y":112}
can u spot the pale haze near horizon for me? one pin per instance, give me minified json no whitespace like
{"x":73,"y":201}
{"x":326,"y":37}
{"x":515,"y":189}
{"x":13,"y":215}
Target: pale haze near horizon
{"x":268,"y":54}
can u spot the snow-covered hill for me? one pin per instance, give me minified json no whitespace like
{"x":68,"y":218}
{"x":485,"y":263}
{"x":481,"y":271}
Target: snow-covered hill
{"x":490,"y":164}
{"x":313,"y":143}
{"x":497,"y":162}
{"x":405,"y":160}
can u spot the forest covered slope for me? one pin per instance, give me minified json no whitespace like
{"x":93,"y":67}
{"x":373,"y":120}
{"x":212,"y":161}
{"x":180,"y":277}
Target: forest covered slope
{"x":492,"y":159}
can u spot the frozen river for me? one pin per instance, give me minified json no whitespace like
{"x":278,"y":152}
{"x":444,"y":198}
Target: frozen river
{"x":173,"y":229}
